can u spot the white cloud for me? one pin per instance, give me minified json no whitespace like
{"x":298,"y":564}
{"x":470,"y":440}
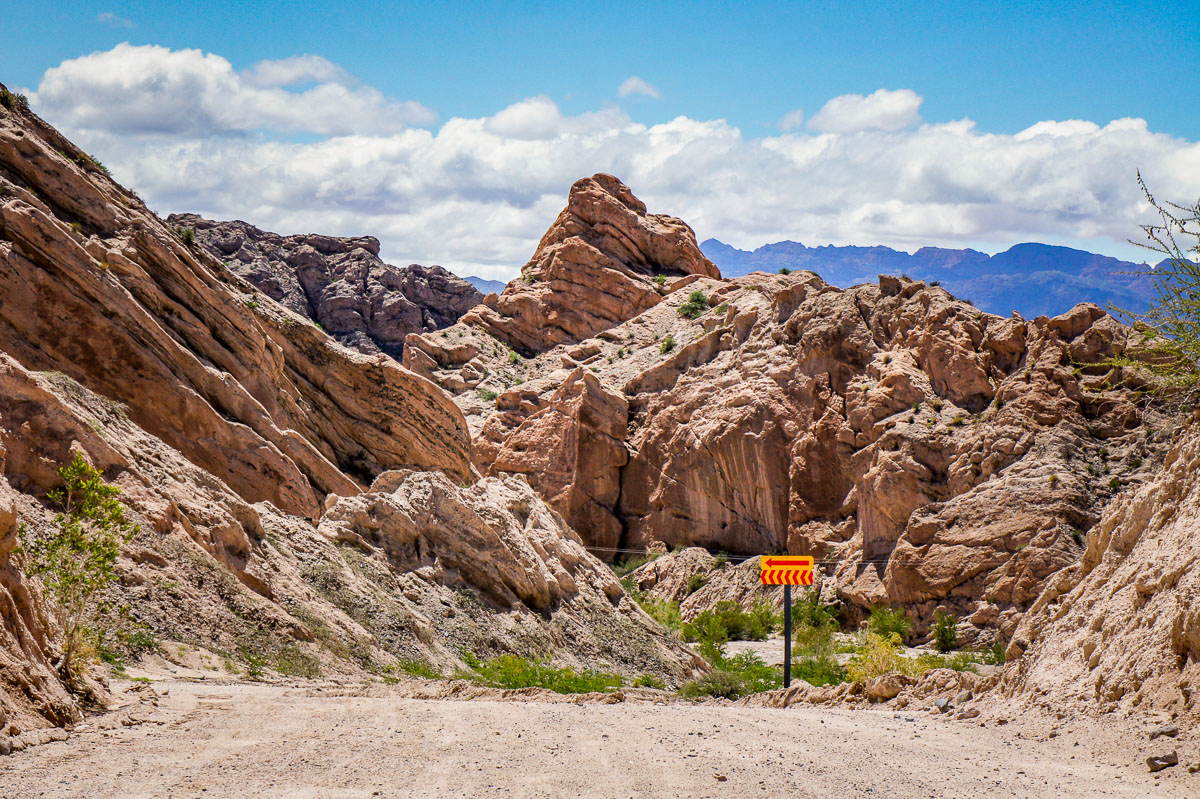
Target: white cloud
{"x":880,"y":110}
{"x":635,"y":85}
{"x":476,"y":194}
{"x":113,"y":21}
{"x":792,"y":120}
{"x":149,"y":90}
{"x":295,"y":71}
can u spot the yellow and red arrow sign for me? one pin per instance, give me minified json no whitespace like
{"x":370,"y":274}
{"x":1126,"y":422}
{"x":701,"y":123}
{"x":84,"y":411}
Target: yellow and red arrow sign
{"x":786,"y":569}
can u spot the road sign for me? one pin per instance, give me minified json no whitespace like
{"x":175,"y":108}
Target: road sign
{"x":786,"y":569}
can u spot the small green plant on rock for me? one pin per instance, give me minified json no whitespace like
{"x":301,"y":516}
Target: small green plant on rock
{"x":667,"y":345}
{"x":660,"y":280}
{"x":696,"y":305}
{"x":696,"y":582}
{"x":75,"y":563}
{"x":648,"y":680}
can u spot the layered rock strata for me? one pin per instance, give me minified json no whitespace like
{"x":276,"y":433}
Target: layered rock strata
{"x":301,"y":507}
{"x":339,"y":283}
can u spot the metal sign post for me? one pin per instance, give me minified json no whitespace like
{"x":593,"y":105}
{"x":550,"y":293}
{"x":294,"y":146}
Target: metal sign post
{"x":786,"y":571}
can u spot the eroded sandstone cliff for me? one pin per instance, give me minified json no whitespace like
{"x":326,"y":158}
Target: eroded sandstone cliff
{"x":928,"y":453}
{"x":301,"y":506}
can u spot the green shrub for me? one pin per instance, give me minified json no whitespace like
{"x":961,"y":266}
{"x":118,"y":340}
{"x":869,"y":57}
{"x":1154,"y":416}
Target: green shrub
{"x":486,"y":394}
{"x":696,"y":582}
{"x":633,"y":563}
{"x":815,"y":655}
{"x":735,"y":677}
{"x":188,"y":236}
{"x":75,"y":563}
{"x":696,"y":305}
{"x":808,"y":611}
{"x":514,"y":357}
{"x":662,"y":610}
{"x":884,"y":622}
{"x":667,"y":345}
{"x":945,"y":631}
{"x":883,"y":655}
{"x":728,"y":622}
{"x":660,"y":280}
{"x":511,"y":671}
{"x":648,"y":681}
{"x":783,"y":270}
{"x":413,"y":667}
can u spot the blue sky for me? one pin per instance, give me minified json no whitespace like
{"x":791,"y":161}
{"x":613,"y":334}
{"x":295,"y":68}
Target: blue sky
{"x":730,"y":68}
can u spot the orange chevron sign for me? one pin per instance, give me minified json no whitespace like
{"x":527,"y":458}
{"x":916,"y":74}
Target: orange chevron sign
{"x":786,"y":569}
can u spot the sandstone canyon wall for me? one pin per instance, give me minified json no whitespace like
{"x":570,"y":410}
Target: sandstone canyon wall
{"x":929,"y":453}
{"x":299,"y":503}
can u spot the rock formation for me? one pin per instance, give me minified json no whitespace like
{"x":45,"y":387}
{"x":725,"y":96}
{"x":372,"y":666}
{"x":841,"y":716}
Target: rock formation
{"x":1119,"y":631}
{"x":301,"y":506}
{"x":930,"y":454}
{"x":339,"y":283}
{"x":595,"y":267}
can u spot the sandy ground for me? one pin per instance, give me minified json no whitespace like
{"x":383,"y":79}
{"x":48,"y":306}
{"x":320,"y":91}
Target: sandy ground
{"x":243,"y":740}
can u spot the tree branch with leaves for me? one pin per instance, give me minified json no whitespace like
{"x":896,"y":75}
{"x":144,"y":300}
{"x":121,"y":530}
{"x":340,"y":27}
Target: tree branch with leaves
{"x":1167,"y":336}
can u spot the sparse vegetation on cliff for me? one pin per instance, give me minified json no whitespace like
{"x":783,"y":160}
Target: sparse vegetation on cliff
{"x":75,"y":562}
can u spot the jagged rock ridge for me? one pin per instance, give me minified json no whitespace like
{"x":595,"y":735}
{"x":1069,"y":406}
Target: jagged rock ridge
{"x":340,"y":283}
{"x":298,"y":502}
{"x":931,"y":453}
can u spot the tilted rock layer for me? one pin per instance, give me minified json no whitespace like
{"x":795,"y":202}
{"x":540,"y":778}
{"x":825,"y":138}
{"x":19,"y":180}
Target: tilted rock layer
{"x":927,"y":453}
{"x":1119,"y":631}
{"x":301,"y":507}
{"x":339,"y":283}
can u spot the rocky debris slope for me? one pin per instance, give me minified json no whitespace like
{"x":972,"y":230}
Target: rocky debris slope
{"x":1119,"y":631}
{"x":301,"y":507}
{"x":596,"y":267}
{"x":339,"y":283}
{"x":934,"y":454}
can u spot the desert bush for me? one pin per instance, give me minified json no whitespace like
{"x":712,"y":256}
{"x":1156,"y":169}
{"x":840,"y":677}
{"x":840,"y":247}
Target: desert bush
{"x":667,"y":345}
{"x":632,"y":563}
{"x":413,"y":667}
{"x":511,"y":671}
{"x":513,"y":356}
{"x":486,"y":394}
{"x":783,"y":270}
{"x":883,"y":655}
{"x":728,"y":622}
{"x":648,"y":680}
{"x":696,"y":582}
{"x":808,"y":611}
{"x":660,"y":280}
{"x":75,"y":563}
{"x":885,"y":622}
{"x":662,"y":610}
{"x":814,"y":654}
{"x":945,"y":631}
{"x":734,"y":677}
{"x":696,"y":305}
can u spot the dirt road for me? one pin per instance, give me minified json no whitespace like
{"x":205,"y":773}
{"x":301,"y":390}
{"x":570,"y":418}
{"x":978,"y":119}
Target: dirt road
{"x":253,"y":740}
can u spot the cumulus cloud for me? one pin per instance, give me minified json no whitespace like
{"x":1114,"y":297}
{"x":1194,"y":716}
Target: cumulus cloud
{"x":635,"y":85}
{"x":113,"y":21}
{"x":792,"y":120}
{"x":295,"y":71}
{"x":880,"y":110}
{"x":476,"y":194}
{"x":150,"y":90}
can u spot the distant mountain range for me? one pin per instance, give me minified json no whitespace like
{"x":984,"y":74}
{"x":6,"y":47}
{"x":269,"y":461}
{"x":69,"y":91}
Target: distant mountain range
{"x":494,"y":286}
{"x":1033,"y":279}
